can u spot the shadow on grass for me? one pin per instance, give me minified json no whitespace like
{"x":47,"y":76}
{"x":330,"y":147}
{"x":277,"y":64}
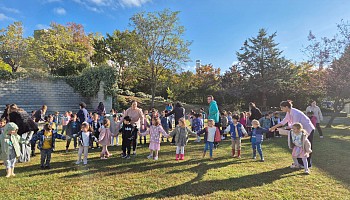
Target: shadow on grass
{"x":196,"y":188}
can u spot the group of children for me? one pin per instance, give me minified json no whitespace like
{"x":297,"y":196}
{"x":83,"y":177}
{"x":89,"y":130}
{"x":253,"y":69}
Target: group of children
{"x":158,"y":127}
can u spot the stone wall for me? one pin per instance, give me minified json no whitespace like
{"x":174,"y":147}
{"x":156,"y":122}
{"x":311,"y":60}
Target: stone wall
{"x":31,"y":94}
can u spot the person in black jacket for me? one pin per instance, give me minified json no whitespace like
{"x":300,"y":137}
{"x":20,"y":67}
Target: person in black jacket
{"x":26,"y":128}
{"x":40,"y":114}
{"x":128,"y":132}
{"x":179,"y":112}
{"x":255,"y":112}
{"x":96,"y":125}
{"x":73,"y":128}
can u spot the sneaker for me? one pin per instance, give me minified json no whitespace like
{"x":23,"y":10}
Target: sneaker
{"x":254,"y":157}
{"x":77,"y":163}
{"x":66,"y":150}
{"x":85,"y":163}
{"x":47,"y":167}
{"x":156,"y":158}
{"x":321,"y":137}
{"x":103,"y":158}
{"x":124,"y":156}
{"x":307,"y":172}
{"x":150,"y":156}
{"x":293,"y":166}
{"x":42,"y":167}
{"x":128,"y":157}
{"x":262,"y":160}
{"x":134,"y":153}
{"x":92,"y":148}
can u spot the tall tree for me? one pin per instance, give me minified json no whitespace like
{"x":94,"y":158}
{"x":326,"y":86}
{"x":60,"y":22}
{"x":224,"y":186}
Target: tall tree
{"x":262,"y":64}
{"x":13,"y":46}
{"x":66,"y":50}
{"x":121,"y":50}
{"x":333,"y":54}
{"x":161,"y":44}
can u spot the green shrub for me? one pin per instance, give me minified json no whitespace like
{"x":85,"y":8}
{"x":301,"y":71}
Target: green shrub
{"x":141,"y":95}
{"x":128,"y":93}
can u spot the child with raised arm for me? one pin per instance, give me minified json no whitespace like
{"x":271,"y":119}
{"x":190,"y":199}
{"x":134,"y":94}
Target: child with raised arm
{"x":105,"y":138}
{"x":237,"y":131}
{"x":46,"y":144}
{"x":181,"y":133}
{"x":129,"y":132}
{"x":257,"y":137}
{"x":155,"y":131}
{"x":85,"y":140}
{"x":211,"y":135}
{"x":301,"y":146}
{"x":10,"y":148}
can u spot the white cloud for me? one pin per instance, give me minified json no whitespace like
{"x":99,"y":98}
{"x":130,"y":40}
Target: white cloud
{"x":60,"y":11}
{"x":133,"y":3}
{"x":3,"y":17}
{"x":101,"y":2}
{"x":11,"y":10}
{"x":42,"y":26}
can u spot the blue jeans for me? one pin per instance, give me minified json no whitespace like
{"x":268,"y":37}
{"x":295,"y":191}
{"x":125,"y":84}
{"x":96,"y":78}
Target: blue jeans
{"x":210,"y":146}
{"x":45,"y":157}
{"x":257,"y":146}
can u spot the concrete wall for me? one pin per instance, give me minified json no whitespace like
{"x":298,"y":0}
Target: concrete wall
{"x":31,"y":94}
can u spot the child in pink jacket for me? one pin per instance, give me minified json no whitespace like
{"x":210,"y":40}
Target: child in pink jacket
{"x":154,"y":131}
{"x":105,"y":138}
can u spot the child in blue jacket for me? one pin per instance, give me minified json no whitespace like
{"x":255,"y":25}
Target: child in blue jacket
{"x":257,"y":136}
{"x":46,"y":144}
{"x":237,"y":131}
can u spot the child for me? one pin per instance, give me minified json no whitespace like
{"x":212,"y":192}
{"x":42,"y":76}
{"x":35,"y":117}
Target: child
{"x":56,"y":119}
{"x":73,"y":128}
{"x":147,"y":124}
{"x":2,"y":125}
{"x":297,"y":140}
{"x":197,"y":125}
{"x":312,"y":118}
{"x":224,"y":123}
{"x":243,"y":119}
{"x":166,"y":123}
{"x":46,"y":144}
{"x":237,"y":131}
{"x":90,"y":118}
{"x":49,"y":120}
{"x":212,"y":134}
{"x":266,"y":124}
{"x":229,"y":117}
{"x":96,"y":125}
{"x":85,"y":138}
{"x":154,"y":131}
{"x":274,"y":121}
{"x":249,"y":122}
{"x":181,"y":133}
{"x":128,"y":132}
{"x":105,"y":139}
{"x":257,"y":136}
{"x":114,"y":130}
{"x":10,"y":147}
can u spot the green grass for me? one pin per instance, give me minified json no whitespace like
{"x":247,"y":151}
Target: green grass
{"x":193,"y":178}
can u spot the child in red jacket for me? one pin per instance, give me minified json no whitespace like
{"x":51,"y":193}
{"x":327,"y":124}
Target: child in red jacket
{"x":211,"y":135}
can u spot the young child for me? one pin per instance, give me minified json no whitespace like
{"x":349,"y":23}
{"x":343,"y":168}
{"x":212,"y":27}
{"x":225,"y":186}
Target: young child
{"x":56,"y":119}
{"x":105,"y":139}
{"x":85,"y":139}
{"x":46,"y":144}
{"x":243,"y":119}
{"x":114,"y":130}
{"x":2,"y":125}
{"x":73,"y":128}
{"x":257,"y":136}
{"x":10,"y":148}
{"x":154,"y":131}
{"x":297,"y":140}
{"x":128,"y":132}
{"x":65,"y":120}
{"x":224,"y":123}
{"x":147,"y":124}
{"x":96,"y":125}
{"x":197,"y":125}
{"x":211,"y":135}
{"x":181,"y":133}
{"x":312,"y":118}
{"x":229,"y":117}
{"x":237,"y":131}
{"x":249,"y":122}
{"x":166,"y":123}
{"x":49,"y":120}
{"x":266,"y":124}
{"x":274,"y":121}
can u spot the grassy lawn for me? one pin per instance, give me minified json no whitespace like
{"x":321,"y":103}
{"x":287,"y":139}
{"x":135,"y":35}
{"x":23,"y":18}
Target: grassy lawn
{"x":193,"y":178}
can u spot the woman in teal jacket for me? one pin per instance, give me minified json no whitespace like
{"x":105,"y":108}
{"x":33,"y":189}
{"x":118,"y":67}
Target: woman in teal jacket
{"x":213,"y":110}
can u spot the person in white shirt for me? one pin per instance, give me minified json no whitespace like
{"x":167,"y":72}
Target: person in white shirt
{"x":85,"y":138}
{"x":318,"y":114}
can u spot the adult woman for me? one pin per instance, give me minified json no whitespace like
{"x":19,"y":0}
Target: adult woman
{"x":318,"y":114}
{"x":101,"y":109}
{"x":179,"y":112}
{"x":296,"y":116}
{"x":255,"y":112}
{"x":6,"y":113}
{"x":82,"y":114}
{"x":39,"y":115}
{"x":136,"y":116}
{"x":26,"y":128}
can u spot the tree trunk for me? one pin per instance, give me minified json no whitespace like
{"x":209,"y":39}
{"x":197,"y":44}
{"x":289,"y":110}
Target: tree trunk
{"x":264,"y":100}
{"x":153,"y":91}
{"x":337,"y":106}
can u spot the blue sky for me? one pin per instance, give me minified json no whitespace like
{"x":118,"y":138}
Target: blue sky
{"x":217,"y":28}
